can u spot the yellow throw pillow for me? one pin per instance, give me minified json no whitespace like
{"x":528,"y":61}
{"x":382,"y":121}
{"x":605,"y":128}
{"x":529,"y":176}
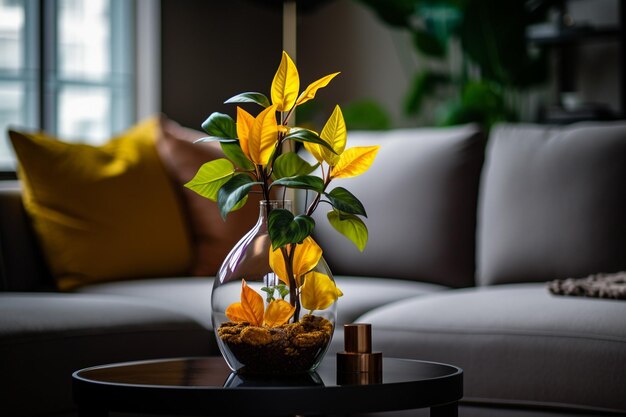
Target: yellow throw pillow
{"x":103,"y":213}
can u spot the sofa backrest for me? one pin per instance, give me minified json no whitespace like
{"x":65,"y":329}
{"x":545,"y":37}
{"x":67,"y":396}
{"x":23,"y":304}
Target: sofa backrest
{"x":552,"y":203}
{"x":420,"y":195}
{"x":22,"y":266}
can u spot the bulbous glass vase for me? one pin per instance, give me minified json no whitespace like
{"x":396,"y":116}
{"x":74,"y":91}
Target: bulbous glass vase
{"x":262,"y":324}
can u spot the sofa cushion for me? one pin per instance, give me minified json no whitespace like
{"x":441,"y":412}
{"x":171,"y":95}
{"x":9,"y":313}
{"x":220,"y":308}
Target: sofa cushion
{"x":45,"y":337}
{"x":192,"y":296}
{"x":420,"y":195}
{"x":552,"y":203}
{"x":187,"y":295}
{"x":103,"y":212}
{"x":517,"y":343}
{"x":22,"y":265}
{"x":362,"y":294}
{"x":213,"y":237}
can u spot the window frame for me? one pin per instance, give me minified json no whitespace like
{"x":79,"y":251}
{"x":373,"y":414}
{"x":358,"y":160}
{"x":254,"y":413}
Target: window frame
{"x":43,"y":82}
{"x":122,"y":76}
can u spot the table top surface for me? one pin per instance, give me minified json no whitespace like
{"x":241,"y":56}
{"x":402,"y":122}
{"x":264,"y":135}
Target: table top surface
{"x":206,"y":384}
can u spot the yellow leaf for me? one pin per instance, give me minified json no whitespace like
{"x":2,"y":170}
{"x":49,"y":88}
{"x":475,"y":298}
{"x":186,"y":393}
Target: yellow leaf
{"x":286,"y":84}
{"x":277,"y":263}
{"x":236,"y":313}
{"x":354,"y":161}
{"x":335,"y":134}
{"x":308,"y":254}
{"x":278,"y":312}
{"x":309,"y":93}
{"x":263,"y":136}
{"x":244,"y":124}
{"x":250,"y":309}
{"x":312,"y":148}
{"x":315,"y":150}
{"x":318,"y":292}
{"x":306,"y":257}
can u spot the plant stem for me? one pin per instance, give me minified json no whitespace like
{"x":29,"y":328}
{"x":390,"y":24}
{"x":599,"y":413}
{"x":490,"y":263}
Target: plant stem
{"x":288,"y":251}
{"x":317,"y":199}
{"x":264,"y":186}
{"x":286,"y":119}
{"x":294,"y":300}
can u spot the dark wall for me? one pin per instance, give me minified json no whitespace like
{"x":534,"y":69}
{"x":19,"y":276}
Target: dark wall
{"x":212,"y":50}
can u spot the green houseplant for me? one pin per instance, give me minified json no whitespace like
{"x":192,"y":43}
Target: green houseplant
{"x":497,"y":66}
{"x":289,"y":330}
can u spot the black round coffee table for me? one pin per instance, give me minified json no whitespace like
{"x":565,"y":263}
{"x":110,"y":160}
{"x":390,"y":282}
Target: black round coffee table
{"x":207,"y":387}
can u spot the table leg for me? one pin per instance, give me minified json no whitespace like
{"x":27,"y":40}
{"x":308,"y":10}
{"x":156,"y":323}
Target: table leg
{"x":446,"y":410}
{"x":91,"y":412}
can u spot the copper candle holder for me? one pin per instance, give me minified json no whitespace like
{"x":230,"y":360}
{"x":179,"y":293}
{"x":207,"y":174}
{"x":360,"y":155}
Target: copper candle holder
{"x":358,"y":364}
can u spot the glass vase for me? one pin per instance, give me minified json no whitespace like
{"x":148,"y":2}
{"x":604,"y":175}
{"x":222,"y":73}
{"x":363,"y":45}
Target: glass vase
{"x":251,"y":341}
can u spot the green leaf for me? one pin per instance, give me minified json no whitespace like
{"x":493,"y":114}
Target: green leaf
{"x":233,"y":192}
{"x":270,"y":293}
{"x":350,"y":226}
{"x":283,"y":290}
{"x":250,"y":97}
{"x":345,"y":201}
{"x":365,"y":115}
{"x":500,"y":48}
{"x":394,"y":12}
{"x":215,"y":139}
{"x":481,"y":102}
{"x":306,"y":182}
{"x":483,"y":94}
{"x":234,"y":153}
{"x":220,"y":125}
{"x":284,"y":228}
{"x":211,"y":177}
{"x":290,"y":165}
{"x":304,"y":135}
{"x":428,"y":44}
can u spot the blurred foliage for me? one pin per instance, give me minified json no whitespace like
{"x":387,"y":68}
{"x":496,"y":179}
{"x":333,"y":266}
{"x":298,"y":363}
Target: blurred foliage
{"x":366,"y":115}
{"x":496,"y":60}
{"x":480,"y":102}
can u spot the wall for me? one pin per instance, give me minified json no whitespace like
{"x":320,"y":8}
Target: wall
{"x":376,"y":62}
{"x":213,"y":50}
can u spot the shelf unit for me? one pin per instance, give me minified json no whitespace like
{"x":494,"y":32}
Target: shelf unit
{"x":565,"y":41}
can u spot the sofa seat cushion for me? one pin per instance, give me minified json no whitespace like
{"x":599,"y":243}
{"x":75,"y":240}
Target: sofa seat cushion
{"x":362,"y":294}
{"x":517,"y":343}
{"x":192,"y":295}
{"x":187,"y":295}
{"x":45,"y":337}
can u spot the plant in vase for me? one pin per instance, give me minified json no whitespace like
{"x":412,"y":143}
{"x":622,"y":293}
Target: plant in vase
{"x":274,"y":297}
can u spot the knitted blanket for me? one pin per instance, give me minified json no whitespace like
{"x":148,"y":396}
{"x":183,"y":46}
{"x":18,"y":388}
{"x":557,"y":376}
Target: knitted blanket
{"x":597,"y":285}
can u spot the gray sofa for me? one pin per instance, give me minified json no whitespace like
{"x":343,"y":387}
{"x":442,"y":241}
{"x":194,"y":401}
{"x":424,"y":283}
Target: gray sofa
{"x":462,"y":242}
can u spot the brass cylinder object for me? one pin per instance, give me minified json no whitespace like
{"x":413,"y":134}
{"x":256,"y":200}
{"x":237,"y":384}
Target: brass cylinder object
{"x":358,"y":338}
{"x":358,"y":364}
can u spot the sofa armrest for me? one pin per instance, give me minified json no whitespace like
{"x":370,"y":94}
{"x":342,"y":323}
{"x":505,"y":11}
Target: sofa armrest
{"x":22,"y":265}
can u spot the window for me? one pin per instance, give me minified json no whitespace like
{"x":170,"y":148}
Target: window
{"x":66,"y":66}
